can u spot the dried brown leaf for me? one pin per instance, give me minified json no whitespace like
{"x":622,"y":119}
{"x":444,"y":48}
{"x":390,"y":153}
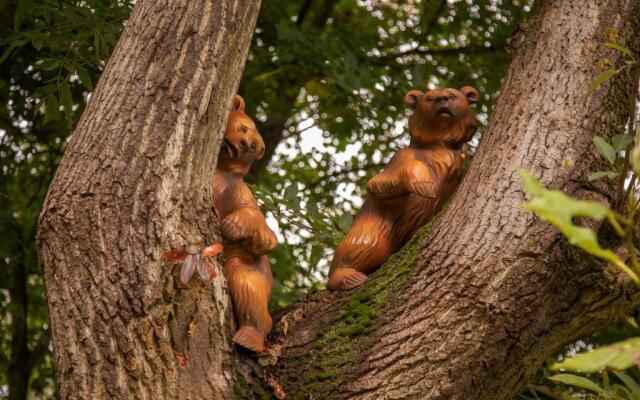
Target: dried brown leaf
{"x":175,"y":256}
{"x":277,"y":388}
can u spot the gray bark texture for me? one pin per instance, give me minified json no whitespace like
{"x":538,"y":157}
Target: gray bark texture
{"x":134,"y":183}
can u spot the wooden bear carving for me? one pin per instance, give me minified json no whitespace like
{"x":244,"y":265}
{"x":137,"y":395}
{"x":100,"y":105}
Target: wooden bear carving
{"x":412,"y":188}
{"x":246,"y":237}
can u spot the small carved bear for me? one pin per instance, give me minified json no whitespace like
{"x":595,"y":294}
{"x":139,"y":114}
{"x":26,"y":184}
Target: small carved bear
{"x":246,"y":237}
{"x":412,"y":188}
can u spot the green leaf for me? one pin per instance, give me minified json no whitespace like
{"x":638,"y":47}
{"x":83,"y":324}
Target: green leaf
{"x":578,"y":381}
{"x":618,"y":392}
{"x":620,"y":142}
{"x":51,"y":112}
{"x":291,"y":195}
{"x":22,"y":8}
{"x":6,"y":53}
{"x":316,"y":254}
{"x":84,"y":77}
{"x":601,"y":174}
{"x":269,"y":75}
{"x":605,"y":149}
{"x":630,"y":383}
{"x":65,"y":99}
{"x":619,"y":48}
{"x":559,"y":210}
{"x":48,"y":65}
{"x":604,"y":75}
{"x":312,"y":209}
{"x":620,"y":355}
{"x":635,"y":159}
{"x":345,"y":221}
{"x":37,"y":43}
{"x":531,"y":183}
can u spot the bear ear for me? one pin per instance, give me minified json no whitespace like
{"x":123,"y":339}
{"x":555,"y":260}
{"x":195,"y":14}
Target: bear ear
{"x":238,"y":103}
{"x":412,"y":97}
{"x":471,"y":93}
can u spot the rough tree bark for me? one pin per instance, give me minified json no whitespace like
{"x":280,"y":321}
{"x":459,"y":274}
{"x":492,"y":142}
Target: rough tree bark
{"x":134,"y":183}
{"x":466,"y":311}
{"x":473,"y":305}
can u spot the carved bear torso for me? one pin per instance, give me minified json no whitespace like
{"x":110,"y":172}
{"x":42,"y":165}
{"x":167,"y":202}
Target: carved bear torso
{"x":412,"y":188}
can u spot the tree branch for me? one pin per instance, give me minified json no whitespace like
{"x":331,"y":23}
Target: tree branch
{"x":443,"y":51}
{"x":485,"y":292}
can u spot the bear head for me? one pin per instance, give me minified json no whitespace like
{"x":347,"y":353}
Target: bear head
{"x":442,"y":116}
{"x":242,"y":143}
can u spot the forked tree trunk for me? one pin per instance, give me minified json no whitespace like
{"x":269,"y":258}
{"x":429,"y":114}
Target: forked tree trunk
{"x":134,"y":183}
{"x":471,"y":308}
{"x":467,"y":311}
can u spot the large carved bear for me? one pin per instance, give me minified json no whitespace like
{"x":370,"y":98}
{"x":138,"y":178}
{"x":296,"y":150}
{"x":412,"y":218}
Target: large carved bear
{"x":411,"y":189}
{"x":246,"y":237}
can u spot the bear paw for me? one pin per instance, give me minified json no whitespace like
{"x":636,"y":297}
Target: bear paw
{"x":422,"y":188}
{"x":345,"y":279}
{"x":249,"y":338}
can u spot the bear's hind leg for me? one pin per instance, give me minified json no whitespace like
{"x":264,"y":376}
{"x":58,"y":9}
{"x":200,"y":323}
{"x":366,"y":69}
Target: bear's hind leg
{"x":365,"y":247}
{"x":345,"y":279}
{"x":250,"y":289}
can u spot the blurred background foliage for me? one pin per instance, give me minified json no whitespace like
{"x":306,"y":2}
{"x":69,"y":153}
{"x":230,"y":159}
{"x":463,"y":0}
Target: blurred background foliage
{"x":324,"y":81}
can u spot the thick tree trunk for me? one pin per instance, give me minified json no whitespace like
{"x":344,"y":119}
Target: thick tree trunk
{"x":466,"y":311}
{"x":472,"y":306}
{"x":134,"y":183}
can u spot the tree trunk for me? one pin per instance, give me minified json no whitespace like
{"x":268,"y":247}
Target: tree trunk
{"x":133,"y":184}
{"x":480,"y":297}
{"x":467,"y":310}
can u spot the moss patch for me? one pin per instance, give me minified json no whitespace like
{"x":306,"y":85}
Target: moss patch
{"x":343,"y":346}
{"x":243,"y":391}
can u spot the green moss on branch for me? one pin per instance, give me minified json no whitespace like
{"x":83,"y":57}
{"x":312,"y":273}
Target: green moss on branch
{"x":343,"y":346}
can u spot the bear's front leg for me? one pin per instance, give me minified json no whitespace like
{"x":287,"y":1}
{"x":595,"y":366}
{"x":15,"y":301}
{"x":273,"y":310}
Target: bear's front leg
{"x":263,"y":239}
{"x":249,"y":223}
{"x":411,"y":176}
{"x":238,"y":224}
{"x":418,"y":180}
{"x":388,"y":183}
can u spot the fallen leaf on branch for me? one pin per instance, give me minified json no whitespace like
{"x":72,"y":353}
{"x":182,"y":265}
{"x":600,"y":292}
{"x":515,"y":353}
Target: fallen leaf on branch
{"x":277,"y":389}
{"x":175,"y":256}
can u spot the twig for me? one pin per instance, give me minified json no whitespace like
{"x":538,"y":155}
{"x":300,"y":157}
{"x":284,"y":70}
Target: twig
{"x":340,"y":172}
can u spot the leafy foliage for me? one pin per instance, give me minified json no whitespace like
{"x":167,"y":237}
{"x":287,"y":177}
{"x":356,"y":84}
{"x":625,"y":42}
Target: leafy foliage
{"x":620,"y":355}
{"x":626,"y":389}
{"x":51,"y":54}
{"x":578,"y":381}
{"x":561,"y":210}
